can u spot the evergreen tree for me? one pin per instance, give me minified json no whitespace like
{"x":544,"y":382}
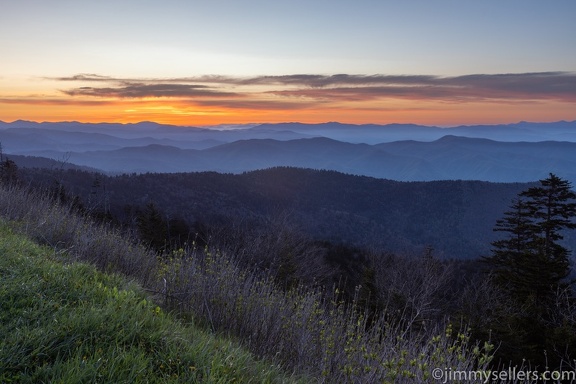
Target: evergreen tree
{"x":531,"y":262}
{"x":8,"y":171}
{"x":554,"y":207}
{"x":531,"y":267}
{"x":507,"y":253}
{"x":152,"y":228}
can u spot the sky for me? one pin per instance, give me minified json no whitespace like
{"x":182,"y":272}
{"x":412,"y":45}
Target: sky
{"x":435,"y":62}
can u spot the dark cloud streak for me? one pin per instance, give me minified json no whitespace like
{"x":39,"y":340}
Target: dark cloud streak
{"x":313,"y":89}
{"x":53,"y":101}
{"x":83,"y":77}
{"x":529,"y":86}
{"x":138,"y":90}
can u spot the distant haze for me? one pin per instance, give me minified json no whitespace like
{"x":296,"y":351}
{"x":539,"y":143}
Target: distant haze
{"x":519,"y":152}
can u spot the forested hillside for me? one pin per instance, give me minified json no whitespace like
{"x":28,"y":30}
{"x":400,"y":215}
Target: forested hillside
{"x":455,"y":218}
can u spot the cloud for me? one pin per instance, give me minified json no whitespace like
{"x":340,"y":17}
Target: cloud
{"x":528,"y":86}
{"x":523,"y":86}
{"x":83,"y":77}
{"x":547,"y":83}
{"x":140,"y":90}
{"x":322,"y":81}
{"x":53,"y":101}
{"x":311,"y":90}
{"x":544,"y":84}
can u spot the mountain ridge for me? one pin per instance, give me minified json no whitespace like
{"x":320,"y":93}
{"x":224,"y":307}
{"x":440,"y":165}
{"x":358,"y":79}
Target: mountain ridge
{"x":448,"y":158}
{"x":406,"y":152}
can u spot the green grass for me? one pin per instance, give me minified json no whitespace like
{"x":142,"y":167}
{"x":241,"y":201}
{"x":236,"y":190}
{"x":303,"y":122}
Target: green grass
{"x":69,"y":323}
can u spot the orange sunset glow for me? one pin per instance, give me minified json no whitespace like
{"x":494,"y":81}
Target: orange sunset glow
{"x":172,"y":113}
{"x":190,"y":64}
{"x":443,"y":101}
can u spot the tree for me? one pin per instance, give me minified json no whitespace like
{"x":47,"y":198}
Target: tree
{"x":152,"y":228}
{"x":8,"y":169}
{"x":530,"y":267}
{"x":8,"y":172}
{"x":531,"y":262}
{"x":554,"y":207}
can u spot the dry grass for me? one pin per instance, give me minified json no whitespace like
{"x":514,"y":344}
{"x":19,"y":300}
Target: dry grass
{"x":305,"y":330}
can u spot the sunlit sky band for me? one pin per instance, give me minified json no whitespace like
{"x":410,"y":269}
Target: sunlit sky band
{"x":199,"y":62}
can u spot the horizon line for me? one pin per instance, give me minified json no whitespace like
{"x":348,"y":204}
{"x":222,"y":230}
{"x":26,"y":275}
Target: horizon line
{"x":208,"y":126}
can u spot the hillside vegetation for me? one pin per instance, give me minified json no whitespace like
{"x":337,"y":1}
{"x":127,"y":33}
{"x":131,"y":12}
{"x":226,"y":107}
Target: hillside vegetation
{"x":67,"y":322}
{"x":304,"y":329}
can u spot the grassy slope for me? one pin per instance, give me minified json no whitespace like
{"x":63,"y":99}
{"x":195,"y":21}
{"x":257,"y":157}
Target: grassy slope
{"x":70,"y":323}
